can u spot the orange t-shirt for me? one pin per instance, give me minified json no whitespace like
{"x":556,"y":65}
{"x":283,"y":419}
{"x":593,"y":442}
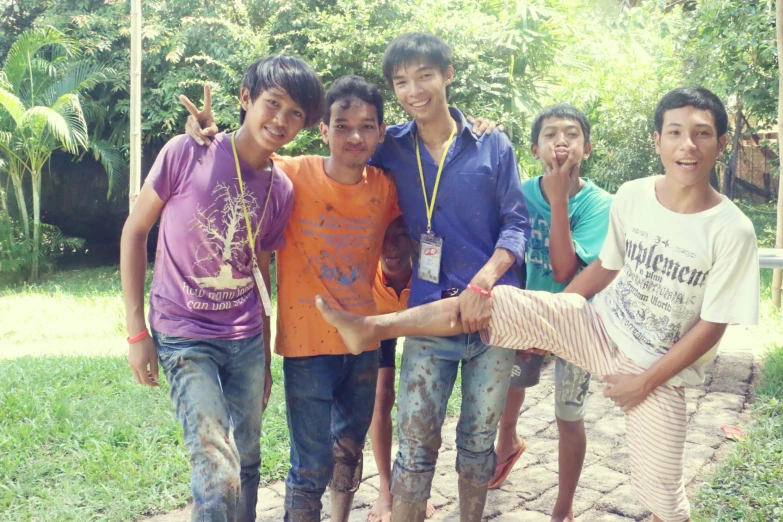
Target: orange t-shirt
{"x":333,"y":244}
{"x":386,"y":299}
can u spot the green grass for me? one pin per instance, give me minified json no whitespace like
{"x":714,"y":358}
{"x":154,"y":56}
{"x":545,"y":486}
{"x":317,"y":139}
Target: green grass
{"x":70,"y":311}
{"x":79,"y":439}
{"x":748,"y":484}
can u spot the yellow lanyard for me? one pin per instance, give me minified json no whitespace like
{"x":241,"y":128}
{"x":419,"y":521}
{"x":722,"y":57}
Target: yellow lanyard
{"x":248,"y":225}
{"x":430,"y":206}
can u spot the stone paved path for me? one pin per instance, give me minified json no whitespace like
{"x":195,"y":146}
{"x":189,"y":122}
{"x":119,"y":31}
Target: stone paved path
{"x":604,"y":493}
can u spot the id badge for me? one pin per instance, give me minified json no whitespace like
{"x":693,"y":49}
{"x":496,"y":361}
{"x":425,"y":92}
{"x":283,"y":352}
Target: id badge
{"x":265,"y":301}
{"x":431,"y":248}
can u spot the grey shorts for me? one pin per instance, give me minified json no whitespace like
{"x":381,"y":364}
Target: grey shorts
{"x":571,"y":384}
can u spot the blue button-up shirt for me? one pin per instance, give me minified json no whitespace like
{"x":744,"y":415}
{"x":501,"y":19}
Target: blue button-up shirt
{"x":479,"y":205}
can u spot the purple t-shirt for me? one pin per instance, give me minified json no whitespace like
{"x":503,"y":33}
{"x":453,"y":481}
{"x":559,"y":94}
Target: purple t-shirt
{"x":202,"y":285}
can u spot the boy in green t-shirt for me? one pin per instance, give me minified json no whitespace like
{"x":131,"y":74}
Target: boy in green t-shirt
{"x":569,"y":217}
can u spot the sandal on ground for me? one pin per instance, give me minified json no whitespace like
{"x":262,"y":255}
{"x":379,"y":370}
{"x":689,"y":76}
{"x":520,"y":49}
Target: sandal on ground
{"x":503,"y":469}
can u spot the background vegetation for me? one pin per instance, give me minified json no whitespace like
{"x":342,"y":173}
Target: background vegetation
{"x":612,"y":58}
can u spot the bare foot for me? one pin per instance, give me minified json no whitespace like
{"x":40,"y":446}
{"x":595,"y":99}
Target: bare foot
{"x":563,"y":518}
{"x":429,"y":511}
{"x":350,"y":326}
{"x":380,"y":511}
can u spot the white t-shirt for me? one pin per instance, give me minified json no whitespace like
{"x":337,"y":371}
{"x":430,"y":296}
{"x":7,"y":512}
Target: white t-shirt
{"x":674,"y":270}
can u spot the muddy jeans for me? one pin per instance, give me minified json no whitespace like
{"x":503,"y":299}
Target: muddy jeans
{"x":429,"y":369}
{"x":329,"y":405}
{"x":217,"y":389}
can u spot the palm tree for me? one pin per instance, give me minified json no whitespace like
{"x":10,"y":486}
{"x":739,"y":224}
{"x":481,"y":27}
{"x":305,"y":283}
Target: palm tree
{"x":41,"y":111}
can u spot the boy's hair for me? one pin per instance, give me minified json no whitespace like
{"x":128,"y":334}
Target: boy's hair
{"x":347,"y":87}
{"x":290,"y":74}
{"x":560,"y":110}
{"x":697,"y":97}
{"x":411,"y":46}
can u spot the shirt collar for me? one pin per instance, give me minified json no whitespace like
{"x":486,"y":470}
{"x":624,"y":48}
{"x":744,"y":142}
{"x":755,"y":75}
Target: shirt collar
{"x":410,"y":128}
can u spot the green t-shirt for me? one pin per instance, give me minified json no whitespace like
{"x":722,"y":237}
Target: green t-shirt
{"x":588,"y":214}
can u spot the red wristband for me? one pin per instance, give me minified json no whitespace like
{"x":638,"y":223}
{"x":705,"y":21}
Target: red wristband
{"x":138,"y":337}
{"x":481,"y":291}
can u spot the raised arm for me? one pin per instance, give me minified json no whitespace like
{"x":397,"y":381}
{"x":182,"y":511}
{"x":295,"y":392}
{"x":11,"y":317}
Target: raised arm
{"x":562,"y":252}
{"x":200,"y":124}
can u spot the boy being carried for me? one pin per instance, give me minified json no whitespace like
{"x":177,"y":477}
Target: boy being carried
{"x":569,"y":217}
{"x":223,"y":210}
{"x":680,"y":263}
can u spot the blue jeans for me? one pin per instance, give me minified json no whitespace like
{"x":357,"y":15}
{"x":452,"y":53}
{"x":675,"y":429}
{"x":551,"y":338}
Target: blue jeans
{"x":217,"y":389}
{"x":429,"y":370}
{"x":329,"y":405}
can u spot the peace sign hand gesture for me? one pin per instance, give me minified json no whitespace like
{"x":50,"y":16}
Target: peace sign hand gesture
{"x":201,"y":124}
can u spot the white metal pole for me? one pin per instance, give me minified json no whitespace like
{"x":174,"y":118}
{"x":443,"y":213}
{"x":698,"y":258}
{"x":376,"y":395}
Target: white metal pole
{"x":135,"y":104}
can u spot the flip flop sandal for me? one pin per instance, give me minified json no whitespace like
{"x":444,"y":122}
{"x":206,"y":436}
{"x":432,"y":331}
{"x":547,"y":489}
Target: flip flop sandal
{"x":503,"y":469}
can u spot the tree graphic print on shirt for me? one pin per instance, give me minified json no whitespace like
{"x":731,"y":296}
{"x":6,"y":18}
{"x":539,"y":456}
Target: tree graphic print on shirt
{"x":223,"y":226}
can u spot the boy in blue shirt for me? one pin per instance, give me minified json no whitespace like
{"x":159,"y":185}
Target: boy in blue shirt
{"x":460,"y":195}
{"x":569,"y":217}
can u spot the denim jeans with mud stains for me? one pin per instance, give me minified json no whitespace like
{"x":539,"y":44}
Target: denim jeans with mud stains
{"x":329,"y":405}
{"x":429,"y":370}
{"x":217,"y":389}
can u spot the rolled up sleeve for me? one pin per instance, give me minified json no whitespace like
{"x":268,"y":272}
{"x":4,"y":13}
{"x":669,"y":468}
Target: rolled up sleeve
{"x":515,"y":228}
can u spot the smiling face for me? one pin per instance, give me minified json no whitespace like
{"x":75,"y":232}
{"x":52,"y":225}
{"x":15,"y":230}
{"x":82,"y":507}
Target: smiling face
{"x":273,"y":119}
{"x":397,"y":250}
{"x":689,"y":145}
{"x":420,"y":88}
{"x":558,"y":136}
{"x":353,"y":132}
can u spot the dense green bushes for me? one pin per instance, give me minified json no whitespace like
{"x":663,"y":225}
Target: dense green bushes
{"x":512,"y":57}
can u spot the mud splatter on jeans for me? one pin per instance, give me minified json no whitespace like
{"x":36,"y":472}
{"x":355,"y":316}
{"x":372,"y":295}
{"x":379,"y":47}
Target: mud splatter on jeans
{"x":217,"y":388}
{"x":429,"y":370}
{"x":329,"y":405}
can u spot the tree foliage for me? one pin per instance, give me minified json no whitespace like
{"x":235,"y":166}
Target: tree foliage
{"x":41,"y":111}
{"x":730,"y":47}
{"x":611,"y":58}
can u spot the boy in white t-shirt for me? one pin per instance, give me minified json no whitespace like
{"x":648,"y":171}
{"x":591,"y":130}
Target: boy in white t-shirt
{"x":679,"y":264}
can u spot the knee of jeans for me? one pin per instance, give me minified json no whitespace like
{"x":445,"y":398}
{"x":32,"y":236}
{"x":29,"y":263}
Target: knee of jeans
{"x":348,"y":460}
{"x":419,"y":437}
{"x":216,"y":460}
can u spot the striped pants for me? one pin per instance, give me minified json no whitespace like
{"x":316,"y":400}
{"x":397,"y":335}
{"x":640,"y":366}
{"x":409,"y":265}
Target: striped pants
{"x":568,"y":326}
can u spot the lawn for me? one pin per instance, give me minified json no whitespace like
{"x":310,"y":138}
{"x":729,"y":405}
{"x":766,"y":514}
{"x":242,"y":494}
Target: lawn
{"x":748,"y":484}
{"x":79,"y":439}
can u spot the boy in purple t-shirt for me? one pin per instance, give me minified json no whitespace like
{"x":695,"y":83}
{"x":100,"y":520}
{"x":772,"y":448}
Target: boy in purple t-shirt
{"x":223,"y":209}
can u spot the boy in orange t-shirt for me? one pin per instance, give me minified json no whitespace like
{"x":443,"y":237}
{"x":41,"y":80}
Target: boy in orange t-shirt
{"x":333,"y":242}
